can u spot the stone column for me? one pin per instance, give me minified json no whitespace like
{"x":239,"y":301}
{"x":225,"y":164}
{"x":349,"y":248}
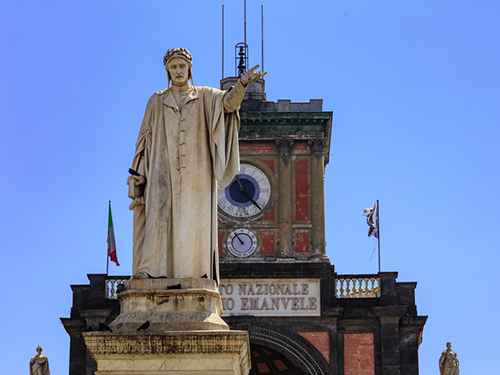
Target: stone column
{"x":318,"y":147}
{"x":285,"y":197}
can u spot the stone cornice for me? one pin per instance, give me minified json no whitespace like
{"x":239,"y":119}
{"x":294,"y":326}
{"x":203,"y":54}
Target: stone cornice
{"x":174,"y":342}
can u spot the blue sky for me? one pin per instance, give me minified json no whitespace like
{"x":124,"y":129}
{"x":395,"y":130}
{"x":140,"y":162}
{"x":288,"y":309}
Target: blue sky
{"x":415,"y":91}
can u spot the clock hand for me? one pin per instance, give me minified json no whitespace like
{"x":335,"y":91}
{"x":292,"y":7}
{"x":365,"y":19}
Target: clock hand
{"x":243,"y":191}
{"x":238,"y":237}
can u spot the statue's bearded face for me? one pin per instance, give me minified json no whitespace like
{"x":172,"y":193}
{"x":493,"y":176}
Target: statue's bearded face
{"x":179,"y":71}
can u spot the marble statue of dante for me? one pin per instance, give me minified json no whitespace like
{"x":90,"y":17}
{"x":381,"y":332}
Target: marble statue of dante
{"x":448,"y":363}
{"x":39,"y":364}
{"x":187,"y":144}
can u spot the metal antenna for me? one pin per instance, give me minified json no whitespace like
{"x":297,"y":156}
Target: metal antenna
{"x":262,"y":34}
{"x":245,"y":21}
{"x":222,"y":41}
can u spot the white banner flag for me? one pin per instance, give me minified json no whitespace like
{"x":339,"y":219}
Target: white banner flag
{"x":372,"y":220}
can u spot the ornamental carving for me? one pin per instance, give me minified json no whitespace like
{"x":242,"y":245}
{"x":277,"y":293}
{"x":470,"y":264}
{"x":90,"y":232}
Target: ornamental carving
{"x":284,"y":145}
{"x":132,"y":343}
{"x":288,"y":346}
{"x":318,"y":145}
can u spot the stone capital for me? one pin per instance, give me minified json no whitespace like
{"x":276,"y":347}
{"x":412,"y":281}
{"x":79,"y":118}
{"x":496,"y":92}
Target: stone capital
{"x":318,"y":145}
{"x":284,"y":145}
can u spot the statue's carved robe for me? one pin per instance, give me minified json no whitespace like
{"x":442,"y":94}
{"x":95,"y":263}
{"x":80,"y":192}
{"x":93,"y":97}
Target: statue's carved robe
{"x":184,"y":152}
{"x":448,"y":363}
{"x":39,"y":365}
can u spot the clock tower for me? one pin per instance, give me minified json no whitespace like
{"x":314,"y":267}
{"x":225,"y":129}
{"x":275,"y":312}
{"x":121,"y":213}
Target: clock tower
{"x":274,"y":209}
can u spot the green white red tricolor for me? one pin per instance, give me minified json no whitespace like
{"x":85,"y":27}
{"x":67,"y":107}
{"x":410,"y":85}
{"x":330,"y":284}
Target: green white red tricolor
{"x":111,"y":239}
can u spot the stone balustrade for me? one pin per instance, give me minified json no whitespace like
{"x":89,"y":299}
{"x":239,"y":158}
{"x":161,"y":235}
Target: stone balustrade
{"x":357,"y":286}
{"x":346,"y":286}
{"x":112,"y":283}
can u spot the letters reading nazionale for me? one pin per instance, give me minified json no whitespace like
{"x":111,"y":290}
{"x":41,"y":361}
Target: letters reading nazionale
{"x":271,"y":297}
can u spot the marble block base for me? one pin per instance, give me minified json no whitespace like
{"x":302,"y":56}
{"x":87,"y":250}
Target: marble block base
{"x":170,"y":353}
{"x":195,"y":306}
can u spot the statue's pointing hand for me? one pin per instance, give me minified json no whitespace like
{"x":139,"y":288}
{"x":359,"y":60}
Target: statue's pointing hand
{"x":251,"y":76}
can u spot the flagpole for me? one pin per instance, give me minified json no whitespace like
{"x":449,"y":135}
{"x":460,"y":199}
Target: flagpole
{"x":107,"y":250}
{"x":378,"y":218}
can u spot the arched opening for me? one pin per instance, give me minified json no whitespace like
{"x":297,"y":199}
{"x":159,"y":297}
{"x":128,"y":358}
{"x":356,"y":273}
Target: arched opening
{"x":282,"y":346}
{"x":266,"y":361}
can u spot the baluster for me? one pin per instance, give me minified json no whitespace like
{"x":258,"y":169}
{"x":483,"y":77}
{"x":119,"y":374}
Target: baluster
{"x":106,"y":289}
{"x":348,"y":289}
{"x":354,"y":293}
{"x":112,"y":291}
{"x":370,"y":286}
{"x":341,"y":288}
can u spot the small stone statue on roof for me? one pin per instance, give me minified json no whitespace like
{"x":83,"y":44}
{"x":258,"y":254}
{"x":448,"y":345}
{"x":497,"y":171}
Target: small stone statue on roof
{"x":39,"y":364}
{"x":448,"y":363}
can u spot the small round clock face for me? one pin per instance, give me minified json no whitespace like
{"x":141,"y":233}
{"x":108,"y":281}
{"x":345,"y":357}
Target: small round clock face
{"x":247,"y":195}
{"x":242,"y":242}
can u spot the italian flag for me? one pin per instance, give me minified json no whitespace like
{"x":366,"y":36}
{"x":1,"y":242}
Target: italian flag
{"x":111,"y":239}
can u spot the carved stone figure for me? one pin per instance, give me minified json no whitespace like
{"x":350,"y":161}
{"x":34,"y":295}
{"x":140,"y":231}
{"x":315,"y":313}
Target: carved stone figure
{"x":448,"y":363}
{"x":187,"y":144}
{"x":39,"y":364}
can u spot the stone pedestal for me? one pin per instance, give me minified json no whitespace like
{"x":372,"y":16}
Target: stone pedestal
{"x":170,"y":353}
{"x":186,"y":334}
{"x":195,"y":306}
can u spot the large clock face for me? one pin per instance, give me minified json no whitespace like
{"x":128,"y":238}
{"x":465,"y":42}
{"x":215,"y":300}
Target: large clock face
{"x":247,"y":195}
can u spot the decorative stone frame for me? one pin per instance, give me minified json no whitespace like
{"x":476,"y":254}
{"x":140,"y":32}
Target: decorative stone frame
{"x":286,"y":345}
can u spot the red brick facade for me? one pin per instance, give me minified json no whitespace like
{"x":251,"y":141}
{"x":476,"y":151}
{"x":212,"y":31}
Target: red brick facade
{"x":301,"y":206}
{"x":269,"y":163}
{"x":220,"y":235}
{"x":267,"y":242}
{"x":269,"y":216}
{"x":256,"y":147}
{"x":359,"y":354}
{"x":302,"y":242}
{"x":320,"y":340}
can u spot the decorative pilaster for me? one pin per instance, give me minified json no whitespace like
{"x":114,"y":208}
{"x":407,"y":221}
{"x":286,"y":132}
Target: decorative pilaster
{"x":389,"y":328}
{"x":285,"y":196}
{"x":318,"y":148}
{"x":390,"y":317}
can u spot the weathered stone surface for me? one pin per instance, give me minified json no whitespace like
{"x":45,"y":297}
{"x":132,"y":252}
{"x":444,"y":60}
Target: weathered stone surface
{"x":194,"y":352}
{"x":197,"y":306}
{"x":186,"y":283}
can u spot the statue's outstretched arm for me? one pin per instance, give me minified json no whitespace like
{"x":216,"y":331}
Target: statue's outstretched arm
{"x":234,"y":97}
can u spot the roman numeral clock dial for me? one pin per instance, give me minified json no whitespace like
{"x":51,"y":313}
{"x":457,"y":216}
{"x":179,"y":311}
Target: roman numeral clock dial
{"x":247,"y":195}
